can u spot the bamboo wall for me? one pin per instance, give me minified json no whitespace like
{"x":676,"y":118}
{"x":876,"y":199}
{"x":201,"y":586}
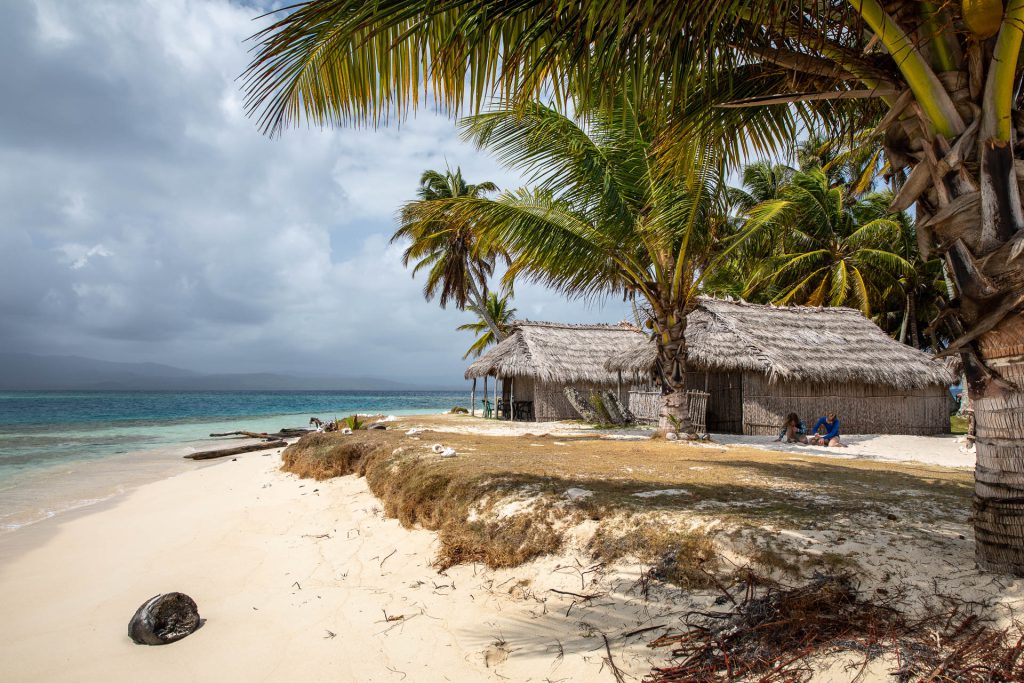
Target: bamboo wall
{"x":862,"y":408}
{"x":644,"y":404}
{"x":549,"y":401}
{"x":725,"y":403}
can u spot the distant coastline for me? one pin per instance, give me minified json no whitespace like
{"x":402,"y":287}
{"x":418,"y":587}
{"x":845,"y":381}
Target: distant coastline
{"x":30,"y":372}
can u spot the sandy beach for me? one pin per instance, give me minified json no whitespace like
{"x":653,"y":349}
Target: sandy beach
{"x":305,"y":580}
{"x":277,"y":565}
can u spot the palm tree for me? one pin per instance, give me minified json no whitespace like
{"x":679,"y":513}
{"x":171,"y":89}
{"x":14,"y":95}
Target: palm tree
{"x":458,"y":267}
{"x":501,"y":312}
{"x":854,"y":161}
{"x":936,"y":81}
{"x":834,"y":253}
{"x":600,"y":220}
{"x":763,"y":182}
{"x":920,"y":295}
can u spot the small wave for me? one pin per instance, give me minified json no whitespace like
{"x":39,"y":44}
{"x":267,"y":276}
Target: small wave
{"x":37,"y":516}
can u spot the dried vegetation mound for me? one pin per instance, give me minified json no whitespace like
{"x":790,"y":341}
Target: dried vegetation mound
{"x":422,"y":490}
{"x":687,"y":558}
{"x":325,"y":455}
{"x":427,"y":492}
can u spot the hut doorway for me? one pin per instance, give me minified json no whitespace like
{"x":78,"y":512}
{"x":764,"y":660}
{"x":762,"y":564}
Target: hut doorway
{"x":725,"y":404}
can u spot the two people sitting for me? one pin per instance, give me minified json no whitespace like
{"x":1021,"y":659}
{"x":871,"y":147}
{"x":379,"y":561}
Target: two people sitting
{"x":794,"y":430}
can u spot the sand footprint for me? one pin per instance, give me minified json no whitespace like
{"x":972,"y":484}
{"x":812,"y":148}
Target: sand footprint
{"x":496,"y":654}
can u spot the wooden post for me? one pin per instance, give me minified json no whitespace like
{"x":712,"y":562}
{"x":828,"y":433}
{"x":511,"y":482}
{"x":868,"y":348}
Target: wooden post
{"x":472,"y":399}
{"x":512,"y":400}
{"x":485,"y":396}
{"x":495,"y":395}
{"x":618,"y":386}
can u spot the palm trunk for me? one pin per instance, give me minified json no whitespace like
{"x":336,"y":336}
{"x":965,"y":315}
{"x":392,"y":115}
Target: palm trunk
{"x":915,"y":336}
{"x":906,"y":321}
{"x":999,"y":473}
{"x":674,"y":415}
{"x":965,"y":186}
{"x":479,"y":305}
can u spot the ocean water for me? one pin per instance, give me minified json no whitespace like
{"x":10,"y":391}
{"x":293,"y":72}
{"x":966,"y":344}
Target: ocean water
{"x":60,"y":451}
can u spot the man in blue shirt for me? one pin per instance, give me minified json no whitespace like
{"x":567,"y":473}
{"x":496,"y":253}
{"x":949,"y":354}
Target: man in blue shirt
{"x":831,"y":436}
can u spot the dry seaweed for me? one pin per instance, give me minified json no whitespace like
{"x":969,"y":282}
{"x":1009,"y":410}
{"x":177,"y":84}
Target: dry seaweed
{"x":774,"y":634}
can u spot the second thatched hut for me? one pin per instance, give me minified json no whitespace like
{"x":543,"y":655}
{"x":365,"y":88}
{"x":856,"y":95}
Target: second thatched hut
{"x":538,"y":360}
{"x":761,"y":362}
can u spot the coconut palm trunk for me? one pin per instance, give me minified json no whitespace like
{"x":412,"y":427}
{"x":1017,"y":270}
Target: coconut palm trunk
{"x":674,"y":414}
{"x":478,"y":304}
{"x":999,"y":474}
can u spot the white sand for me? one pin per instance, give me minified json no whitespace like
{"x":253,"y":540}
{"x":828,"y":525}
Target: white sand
{"x":947,"y":450}
{"x":275,"y":564}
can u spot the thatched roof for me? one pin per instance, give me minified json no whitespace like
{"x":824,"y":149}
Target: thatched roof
{"x":556,"y":353}
{"x":797,"y":343}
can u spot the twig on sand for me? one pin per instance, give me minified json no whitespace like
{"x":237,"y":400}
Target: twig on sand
{"x":330,"y":634}
{"x":638,"y":631}
{"x":396,"y":671}
{"x":718,"y":584}
{"x":561,"y":651}
{"x":582,"y":596}
{"x":611,"y":662}
{"x":394,"y":617}
{"x":386,"y":558}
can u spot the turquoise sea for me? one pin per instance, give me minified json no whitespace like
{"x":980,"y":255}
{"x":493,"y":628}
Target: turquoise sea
{"x":61,"y":451}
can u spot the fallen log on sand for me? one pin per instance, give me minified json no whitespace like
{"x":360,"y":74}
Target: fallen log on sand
{"x":280,"y":434}
{"x":220,"y":453}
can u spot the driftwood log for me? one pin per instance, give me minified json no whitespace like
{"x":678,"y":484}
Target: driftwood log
{"x":222,"y":452}
{"x":280,"y":434}
{"x":164,"y":619}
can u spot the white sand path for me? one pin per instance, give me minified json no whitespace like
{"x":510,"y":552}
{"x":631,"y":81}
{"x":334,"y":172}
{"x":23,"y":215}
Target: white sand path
{"x":946,"y":450}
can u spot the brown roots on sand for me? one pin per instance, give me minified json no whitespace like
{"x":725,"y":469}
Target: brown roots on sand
{"x":775,"y":634}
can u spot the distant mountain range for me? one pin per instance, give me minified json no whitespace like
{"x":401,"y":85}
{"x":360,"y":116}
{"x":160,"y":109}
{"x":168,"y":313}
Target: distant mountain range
{"x":25,"y":371}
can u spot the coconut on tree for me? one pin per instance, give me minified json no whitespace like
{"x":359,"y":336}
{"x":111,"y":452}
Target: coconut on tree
{"x":937,"y":83}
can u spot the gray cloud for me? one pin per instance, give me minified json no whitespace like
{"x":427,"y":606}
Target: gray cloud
{"x":143,"y":216}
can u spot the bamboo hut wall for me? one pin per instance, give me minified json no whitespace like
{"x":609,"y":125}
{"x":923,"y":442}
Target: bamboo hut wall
{"x":725,"y":405}
{"x":550,"y":403}
{"x":862,"y":408}
{"x":644,"y":403}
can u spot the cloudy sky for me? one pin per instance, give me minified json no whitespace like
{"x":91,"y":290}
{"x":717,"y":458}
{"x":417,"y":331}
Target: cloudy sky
{"x":143,"y":217}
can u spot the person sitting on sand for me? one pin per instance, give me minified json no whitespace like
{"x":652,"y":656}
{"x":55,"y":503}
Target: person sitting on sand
{"x":831,"y":436}
{"x":794,"y":430}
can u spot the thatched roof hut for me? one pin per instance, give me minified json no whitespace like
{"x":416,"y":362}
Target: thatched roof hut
{"x":539,"y":359}
{"x":761,"y":362}
{"x":794,"y":343}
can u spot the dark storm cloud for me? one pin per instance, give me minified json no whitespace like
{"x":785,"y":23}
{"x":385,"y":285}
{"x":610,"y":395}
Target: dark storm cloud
{"x":143,"y":216}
